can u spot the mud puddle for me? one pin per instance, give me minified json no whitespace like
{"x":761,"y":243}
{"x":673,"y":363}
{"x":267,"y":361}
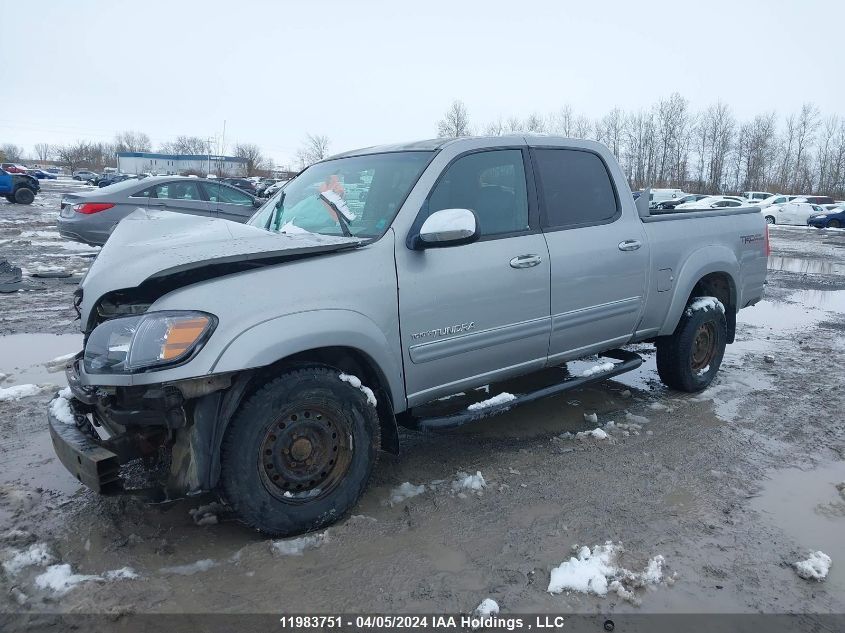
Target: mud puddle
{"x":809,"y":509}
{"x":807,"y":266}
{"x":23,"y":357}
{"x":799,"y":310}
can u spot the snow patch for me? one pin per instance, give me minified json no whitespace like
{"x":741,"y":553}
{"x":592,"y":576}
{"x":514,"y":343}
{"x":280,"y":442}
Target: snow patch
{"x":405,"y":491}
{"x":469,"y":482}
{"x":60,"y":407}
{"x":60,"y":578}
{"x":592,"y":418}
{"x":487,"y":608}
{"x":704,"y":303}
{"x":356,"y":382}
{"x":36,"y":554}
{"x":597,"y":369}
{"x":501,"y":398}
{"x":599,"y":434}
{"x":296,"y":546}
{"x":596,"y":571}
{"x":815,"y":567}
{"x":16,"y":392}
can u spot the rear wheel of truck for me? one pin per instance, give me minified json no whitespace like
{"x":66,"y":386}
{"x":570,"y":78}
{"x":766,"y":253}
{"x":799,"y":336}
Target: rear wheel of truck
{"x":24,"y":195}
{"x":689,"y":359}
{"x":299,"y":452}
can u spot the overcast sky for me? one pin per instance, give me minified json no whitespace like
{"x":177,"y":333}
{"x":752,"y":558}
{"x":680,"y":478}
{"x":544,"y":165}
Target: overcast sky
{"x":365,"y":72}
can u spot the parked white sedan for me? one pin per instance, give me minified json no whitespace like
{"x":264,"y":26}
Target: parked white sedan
{"x":794,"y":213}
{"x":714,"y":202}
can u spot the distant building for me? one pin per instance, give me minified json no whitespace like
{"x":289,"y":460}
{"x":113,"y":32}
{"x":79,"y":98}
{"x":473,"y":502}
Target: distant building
{"x":169,"y":164}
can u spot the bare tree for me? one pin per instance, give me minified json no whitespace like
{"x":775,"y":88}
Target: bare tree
{"x":43,"y":151}
{"x":75,"y":155}
{"x":252,"y":154}
{"x":12,"y":152}
{"x":131,"y":141}
{"x":315,"y":148}
{"x":805,"y":132}
{"x":535,"y":123}
{"x":496,"y":128}
{"x":191,"y":145}
{"x":455,"y":123}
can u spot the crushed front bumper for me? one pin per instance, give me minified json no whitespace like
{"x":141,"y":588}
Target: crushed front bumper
{"x":91,"y":463}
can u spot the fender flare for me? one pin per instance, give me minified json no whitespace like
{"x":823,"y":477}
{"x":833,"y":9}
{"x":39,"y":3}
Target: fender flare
{"x":701,"y":262}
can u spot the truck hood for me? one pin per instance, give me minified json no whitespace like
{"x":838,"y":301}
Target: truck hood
{"x":158,"y":251}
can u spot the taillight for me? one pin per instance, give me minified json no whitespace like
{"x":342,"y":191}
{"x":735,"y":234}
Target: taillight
{"x":768,"y":246}
{"x":91,"y":207}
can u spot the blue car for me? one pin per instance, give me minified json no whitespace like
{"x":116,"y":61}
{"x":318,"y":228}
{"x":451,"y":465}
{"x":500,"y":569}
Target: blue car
{"x":41,"y":174}
{"x":830,"y":219}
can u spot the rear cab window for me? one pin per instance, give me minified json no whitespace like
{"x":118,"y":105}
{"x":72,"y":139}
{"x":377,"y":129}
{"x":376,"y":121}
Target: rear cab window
{"x":575,"y":189}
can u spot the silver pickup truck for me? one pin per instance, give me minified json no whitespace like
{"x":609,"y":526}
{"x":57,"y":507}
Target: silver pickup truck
{"x":271,"y":362}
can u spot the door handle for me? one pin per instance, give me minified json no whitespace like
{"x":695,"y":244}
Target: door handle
{"x":525,"y":261}
{"x":629,"y":245}
{"x":156,"y":204}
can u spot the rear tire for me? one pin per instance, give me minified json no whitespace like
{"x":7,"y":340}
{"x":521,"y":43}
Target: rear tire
{"x":299,"y":452}
{"x":770,"y":219}
{"x":834,"y":224}
{"x":689,"y":359}
{"x":24,"y":195}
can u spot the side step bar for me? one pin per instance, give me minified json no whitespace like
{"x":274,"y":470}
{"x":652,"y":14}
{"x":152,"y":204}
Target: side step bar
{"x":630,"y":361}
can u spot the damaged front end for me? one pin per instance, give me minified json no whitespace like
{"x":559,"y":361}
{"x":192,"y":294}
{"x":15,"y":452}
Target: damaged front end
{"x":159,"y":441}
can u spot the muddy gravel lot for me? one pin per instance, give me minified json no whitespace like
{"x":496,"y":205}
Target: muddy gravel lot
{"x":730,"y":487}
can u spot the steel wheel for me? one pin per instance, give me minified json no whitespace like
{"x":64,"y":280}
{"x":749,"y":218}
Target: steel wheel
{"x":703,"y":347}
{"x":305,"y":454}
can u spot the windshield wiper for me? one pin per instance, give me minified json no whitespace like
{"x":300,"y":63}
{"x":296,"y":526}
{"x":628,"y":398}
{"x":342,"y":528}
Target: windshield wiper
{"x":338,"y":205}
{"x":276,"y":215}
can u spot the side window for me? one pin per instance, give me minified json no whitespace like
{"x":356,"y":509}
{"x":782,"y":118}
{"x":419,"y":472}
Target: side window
{"x":177,"y":191}
{"x":575,"y":189}
{"x":223,"y":193}
{"x":491,"y":183}
{"x":144,"y":193}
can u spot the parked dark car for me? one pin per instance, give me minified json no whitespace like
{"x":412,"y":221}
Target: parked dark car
{"x":671,"y":204}
{"x":41,"y":174}
{"x":830,"y":219}
{"x":241,"y":183}
{"x":86,"y":175}
{"x":110,"y":179}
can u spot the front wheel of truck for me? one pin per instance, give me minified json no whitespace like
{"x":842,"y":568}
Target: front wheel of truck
{"x":689,"y":359}
{"x":299,"y":452}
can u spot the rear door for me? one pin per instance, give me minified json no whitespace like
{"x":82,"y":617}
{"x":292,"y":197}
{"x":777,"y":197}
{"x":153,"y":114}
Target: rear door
{"x":228,"y":202}
{"x":476,"y":312}
{"x":599,"y":258}
{"x":181,"y":196}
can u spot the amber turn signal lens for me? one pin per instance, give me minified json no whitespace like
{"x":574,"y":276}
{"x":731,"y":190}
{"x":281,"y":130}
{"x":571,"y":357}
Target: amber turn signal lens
{"x":181,"y":335}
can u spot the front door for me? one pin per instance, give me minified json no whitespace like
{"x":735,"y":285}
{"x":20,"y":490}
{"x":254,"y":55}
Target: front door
{"x":599,"y":258}
{"x":476,"y":312}
{"x":228,"y":202}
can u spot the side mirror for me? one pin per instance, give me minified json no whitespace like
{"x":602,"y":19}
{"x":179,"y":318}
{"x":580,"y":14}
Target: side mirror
{"x":447,"y":227}
{"x":257,"y":202}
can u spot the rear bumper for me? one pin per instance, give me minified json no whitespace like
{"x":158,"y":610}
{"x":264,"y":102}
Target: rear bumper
{"x":91,"y":463}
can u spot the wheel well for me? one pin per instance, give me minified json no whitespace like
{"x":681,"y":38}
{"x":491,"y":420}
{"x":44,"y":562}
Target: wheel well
{"x":352,"y":361}
{"x":721,"y":286}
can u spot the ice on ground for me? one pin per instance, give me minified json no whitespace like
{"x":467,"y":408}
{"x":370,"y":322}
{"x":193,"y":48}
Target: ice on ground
{"x":597,"y":571}
{"x":356,"y":382}
{"x":599,"y":434}
{"x":60,"y":578}
{"x":592,"y":418}
{"x":207,"y":514}
{"x":405,"y":491}
{"x":657,"y":406}
{"x":597,"y":369}
{"x":487,"y":608}
{"x":704,"y":303}
{"x":60,"y":408}
{"x":815,"y":567}
{"x":37,"y":554}
{"x":59,"y":362}
{"x":296,"y":546}
{"x":191,"y":568}
{"x":469,"y":482}
{"x":16,"y":392}
{"x":498,"y":399}
{"x":636,"y":419}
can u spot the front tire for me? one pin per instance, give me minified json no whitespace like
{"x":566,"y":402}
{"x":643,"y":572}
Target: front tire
{"x":834,"y":224}
{"x":690,"y":358}
{"x":299,"y":452}
{"x":24,"y":195}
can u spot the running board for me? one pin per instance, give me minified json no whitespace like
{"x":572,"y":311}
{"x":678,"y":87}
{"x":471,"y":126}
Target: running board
{"x":630,"y":361}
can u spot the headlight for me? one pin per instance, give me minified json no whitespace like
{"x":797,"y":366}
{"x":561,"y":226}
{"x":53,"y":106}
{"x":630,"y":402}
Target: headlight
{"x":819,"y":216}
{"x":145,"y":342}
